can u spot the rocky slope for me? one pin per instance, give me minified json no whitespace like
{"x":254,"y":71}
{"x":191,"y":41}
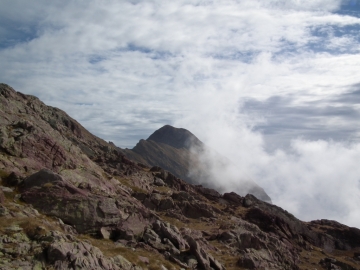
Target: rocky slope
{"x":183,"y":154}
{"x":69,"y":200}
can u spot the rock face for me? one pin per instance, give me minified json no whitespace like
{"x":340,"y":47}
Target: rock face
{"x":87,"y":212}
{"x":175,"y":137}
{"x":183,"y":154}
{"x":69,"y":200}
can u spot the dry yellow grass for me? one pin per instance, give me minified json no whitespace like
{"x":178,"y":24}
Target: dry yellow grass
{"x":3,"y":174}
{"x":163,"y":189}
{"x":226,"y":259}
{"x":32,"y":227}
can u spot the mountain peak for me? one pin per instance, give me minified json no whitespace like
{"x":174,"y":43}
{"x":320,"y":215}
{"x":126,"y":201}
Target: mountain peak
{"x":175,"y":137}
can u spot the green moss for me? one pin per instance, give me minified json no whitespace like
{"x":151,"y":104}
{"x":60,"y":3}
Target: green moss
{"x":48,"y":185}
{"x":126,"y":183}
{"x":4,"y":174}
{"x":137,"y":189}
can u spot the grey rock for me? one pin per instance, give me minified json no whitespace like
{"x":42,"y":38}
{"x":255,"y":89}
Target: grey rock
{"x":122,"y":262}
{"x":166,"y":203}
{"x":44,"y":176}
{"x":105,"y":233}
{"x":6,"y":189}
{"x":205,"y":259}
{"x":172,"y":233}
{"x":159,"y":182}
{"x":144,"y":259}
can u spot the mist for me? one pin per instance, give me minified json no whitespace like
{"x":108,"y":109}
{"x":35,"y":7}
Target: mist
{"x":312,"y":179}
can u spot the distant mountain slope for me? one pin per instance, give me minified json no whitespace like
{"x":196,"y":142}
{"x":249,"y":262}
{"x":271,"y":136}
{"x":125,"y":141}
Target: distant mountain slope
{"x":183,"y":154}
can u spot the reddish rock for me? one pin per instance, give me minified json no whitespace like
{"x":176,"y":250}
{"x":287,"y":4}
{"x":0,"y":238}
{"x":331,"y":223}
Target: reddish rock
{"x":52,"y":195}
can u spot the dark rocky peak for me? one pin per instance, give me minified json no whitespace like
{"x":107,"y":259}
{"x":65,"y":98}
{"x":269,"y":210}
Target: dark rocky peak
{"x":175,"y":137}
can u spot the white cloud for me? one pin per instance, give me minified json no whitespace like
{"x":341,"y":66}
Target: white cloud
{"x":129,"y":67}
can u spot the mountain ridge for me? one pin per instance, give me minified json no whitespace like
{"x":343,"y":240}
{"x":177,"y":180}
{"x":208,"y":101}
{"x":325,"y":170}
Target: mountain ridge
{"x":183,"y":154}
{"x":70,"y":200}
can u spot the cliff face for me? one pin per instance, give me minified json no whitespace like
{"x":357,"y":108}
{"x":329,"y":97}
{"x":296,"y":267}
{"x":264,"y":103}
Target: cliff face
{"x":183,"y":154}
{"x":69,"y":200}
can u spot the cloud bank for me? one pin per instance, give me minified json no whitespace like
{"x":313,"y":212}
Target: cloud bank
{"x":273,"y":85}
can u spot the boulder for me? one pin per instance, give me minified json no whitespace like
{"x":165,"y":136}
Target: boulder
{"x":122,"y":262}
{"x":144,"y":259}
{"x":233,"y":198}
{"x":105,"y":233}
{"x":39,"y":179}
{"x":256,"y":259}
{"x":159,"y":182}
{"x":166,"y":204}
{"x":205,"y":260}
{"x":14,"y":179}
{"x":209,"y":193}
{"x":197,"y":209}
{"x":165,"y":230}
{"x":52,"y":195}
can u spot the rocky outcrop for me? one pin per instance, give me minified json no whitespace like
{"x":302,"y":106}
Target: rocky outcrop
{"x":53,"y":195}
{"x":30,"y":241}
{"x":339,"y":236}
{"x":69,"y":200}
{"x":259,"y":249}
{"x":71,"y":254}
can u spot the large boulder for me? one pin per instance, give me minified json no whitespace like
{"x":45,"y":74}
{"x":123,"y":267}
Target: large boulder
{"x":205,"y":259}
{"x":87,"y":212}
{"x":166,"y":230}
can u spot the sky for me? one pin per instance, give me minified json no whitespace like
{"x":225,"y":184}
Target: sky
{"x":273,"y":85}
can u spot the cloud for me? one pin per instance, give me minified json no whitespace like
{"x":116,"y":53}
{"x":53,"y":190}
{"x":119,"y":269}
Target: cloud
{"x":311,"y":179}
{"x":239,"y":74}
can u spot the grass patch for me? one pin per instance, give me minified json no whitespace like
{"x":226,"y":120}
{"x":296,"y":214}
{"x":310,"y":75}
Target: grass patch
{"x":48,"y":185}
{"x":32,"y":227}
{"x":126,"y":182}
{"x":174,"y":221}
{"x":163,"y":189}
{"x":226,"y":259}
{"x":4,"y":174}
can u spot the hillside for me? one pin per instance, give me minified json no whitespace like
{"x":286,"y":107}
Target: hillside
{"x":70,"y":200}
